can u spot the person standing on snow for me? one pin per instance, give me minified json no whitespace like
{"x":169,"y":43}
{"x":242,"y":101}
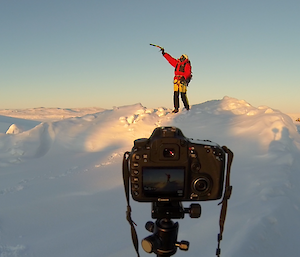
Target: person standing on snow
{"x":183,"y":76}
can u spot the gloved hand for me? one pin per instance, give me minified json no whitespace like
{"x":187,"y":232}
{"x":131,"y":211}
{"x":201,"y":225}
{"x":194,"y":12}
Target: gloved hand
{"x":162,"y":51}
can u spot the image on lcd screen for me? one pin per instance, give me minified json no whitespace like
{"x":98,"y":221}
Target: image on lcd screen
{"x":159,"y":182}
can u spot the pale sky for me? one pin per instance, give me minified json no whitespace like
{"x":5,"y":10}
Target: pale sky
{"x":71,"y":53}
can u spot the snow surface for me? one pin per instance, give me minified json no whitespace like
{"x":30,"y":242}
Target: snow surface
{"x":61,"y":188}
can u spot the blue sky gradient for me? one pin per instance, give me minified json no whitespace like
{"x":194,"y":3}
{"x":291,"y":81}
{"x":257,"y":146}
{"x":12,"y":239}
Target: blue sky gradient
{"x":71,"y":53}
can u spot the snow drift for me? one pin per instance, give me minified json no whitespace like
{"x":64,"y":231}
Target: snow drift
{"x":61,"y":191}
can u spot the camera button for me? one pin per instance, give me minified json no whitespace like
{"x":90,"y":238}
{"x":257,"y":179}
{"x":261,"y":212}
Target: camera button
{"x":135,"y":164}
{"x":137,"y":157}
{"x":135,"y":172}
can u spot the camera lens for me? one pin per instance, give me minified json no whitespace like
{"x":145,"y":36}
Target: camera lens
{"x":169,"y":152}
{"x":202,"y":185}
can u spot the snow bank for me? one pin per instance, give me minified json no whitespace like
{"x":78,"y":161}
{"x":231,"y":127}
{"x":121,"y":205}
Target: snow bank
{"x":14,"y":129}
{"x":61,"y":191}
{"x":6,"y":122}
{"x":49,"y":114}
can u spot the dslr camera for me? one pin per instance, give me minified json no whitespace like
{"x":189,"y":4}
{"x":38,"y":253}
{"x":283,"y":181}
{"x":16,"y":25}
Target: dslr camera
{"x":168,"y":167}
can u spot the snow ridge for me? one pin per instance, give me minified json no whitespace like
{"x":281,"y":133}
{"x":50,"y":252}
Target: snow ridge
{"x":61,"y":183}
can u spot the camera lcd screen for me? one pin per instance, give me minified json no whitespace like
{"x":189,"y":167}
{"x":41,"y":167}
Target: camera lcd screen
{"x":162,"y":182}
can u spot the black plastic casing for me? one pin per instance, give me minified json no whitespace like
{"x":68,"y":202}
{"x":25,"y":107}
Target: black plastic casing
{"x":170,"y":167}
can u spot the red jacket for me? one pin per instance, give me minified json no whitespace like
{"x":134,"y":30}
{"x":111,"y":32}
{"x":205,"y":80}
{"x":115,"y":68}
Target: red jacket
{"x":181,"y":68}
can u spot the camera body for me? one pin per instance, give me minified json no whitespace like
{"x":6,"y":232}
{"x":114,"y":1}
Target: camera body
{"x":167,"y":167}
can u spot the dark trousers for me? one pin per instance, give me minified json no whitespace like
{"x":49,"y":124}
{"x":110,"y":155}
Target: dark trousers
{"x":183,"y":98}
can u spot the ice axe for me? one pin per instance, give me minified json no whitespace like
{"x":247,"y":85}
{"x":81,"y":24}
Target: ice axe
{"x":161,"y":48}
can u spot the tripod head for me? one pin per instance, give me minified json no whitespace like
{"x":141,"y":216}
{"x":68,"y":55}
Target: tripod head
{"x":163,"y":241}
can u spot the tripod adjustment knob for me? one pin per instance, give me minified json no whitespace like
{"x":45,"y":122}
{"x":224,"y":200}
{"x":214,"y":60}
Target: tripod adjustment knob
{"x":183,"y":245}
{"x":149,"y":226}
{"x":147,"y":245}
{"x":194,"y":210}
{"x":151,"y":244}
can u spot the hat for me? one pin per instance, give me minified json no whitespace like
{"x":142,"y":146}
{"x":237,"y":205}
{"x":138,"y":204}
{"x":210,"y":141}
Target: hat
{"x":184,"y":56}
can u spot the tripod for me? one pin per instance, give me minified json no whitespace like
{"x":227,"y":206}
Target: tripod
{"x":163,"y":241}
